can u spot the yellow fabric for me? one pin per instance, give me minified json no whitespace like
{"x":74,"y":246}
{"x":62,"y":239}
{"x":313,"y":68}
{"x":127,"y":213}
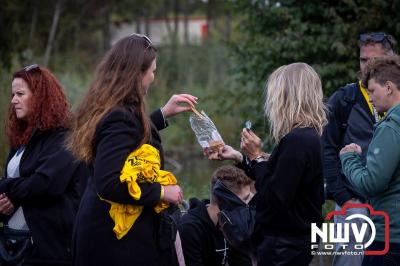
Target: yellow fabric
{"x":162,"y":192}
{"x":366,"y":96}
{"x":142,"y":165}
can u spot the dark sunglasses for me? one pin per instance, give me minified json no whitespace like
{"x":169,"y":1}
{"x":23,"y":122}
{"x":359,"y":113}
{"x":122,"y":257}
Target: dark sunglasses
{"x":31,"y":67}
{"x":378,"y":37}
{"x":149,"y":42}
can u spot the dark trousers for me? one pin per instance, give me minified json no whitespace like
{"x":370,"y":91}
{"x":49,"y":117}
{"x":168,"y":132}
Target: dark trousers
{"x":389,"y":259}
{"x":278,"y":250}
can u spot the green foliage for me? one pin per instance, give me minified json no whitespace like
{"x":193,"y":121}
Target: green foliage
{"x":198,"y":70}
{"x":4,"y":101}
{"x":323,"y":34}
{"x":202,"y":71}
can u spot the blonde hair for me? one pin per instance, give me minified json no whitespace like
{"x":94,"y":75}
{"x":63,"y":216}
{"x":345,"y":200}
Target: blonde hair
{"x":294,"y":98}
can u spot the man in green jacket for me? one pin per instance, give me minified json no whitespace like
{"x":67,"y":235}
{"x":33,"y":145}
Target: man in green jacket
{"x":379,"y":177}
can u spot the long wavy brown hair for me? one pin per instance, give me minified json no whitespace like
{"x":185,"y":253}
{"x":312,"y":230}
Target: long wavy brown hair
{"x":48,"y":107}
{"x":118,"y":82}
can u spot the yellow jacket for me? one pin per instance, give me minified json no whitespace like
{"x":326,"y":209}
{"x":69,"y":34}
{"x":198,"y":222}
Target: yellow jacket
{"x":142,"y":165}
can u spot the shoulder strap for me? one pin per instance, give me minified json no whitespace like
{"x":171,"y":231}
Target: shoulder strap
{"x":347,"y":102}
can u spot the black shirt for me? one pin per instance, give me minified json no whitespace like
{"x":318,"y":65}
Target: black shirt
{"x":290,"y":186}
{"x":202,"y":243}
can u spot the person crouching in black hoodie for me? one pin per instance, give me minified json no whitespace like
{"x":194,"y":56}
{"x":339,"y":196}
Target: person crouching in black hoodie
{"x":203,"y":242}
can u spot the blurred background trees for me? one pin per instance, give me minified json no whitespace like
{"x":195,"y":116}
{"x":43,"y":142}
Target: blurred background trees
{"x":241,"y":43}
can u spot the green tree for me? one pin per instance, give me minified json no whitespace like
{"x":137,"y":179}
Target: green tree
{"x":323,"y":34}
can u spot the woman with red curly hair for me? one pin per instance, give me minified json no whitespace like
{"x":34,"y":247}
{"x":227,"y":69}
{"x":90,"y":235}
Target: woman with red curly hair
{"x":41,"y":192}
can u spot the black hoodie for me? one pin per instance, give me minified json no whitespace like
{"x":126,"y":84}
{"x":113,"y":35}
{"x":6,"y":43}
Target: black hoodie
{"x":202,"y":242}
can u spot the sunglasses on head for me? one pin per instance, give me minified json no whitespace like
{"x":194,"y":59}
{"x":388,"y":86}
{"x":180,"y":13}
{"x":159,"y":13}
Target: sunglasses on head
{"x":149,"y":42}
{"x":31,"y":67}
{"x":375,"y":37}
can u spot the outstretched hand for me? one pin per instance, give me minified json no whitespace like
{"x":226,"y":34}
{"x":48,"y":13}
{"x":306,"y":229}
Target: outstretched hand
{"x":179,"y":103}
{"x":224,"y":153}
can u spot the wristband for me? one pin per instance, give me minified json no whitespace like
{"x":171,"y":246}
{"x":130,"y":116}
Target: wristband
{"x":259,"y":159}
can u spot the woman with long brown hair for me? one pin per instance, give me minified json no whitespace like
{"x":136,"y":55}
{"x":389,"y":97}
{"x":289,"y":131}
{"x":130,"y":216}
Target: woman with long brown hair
{"x":109,"y":124}
{"x":41,"y":192}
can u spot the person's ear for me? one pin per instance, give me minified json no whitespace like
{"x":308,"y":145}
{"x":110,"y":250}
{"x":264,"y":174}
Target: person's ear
{"x":389,"y":87}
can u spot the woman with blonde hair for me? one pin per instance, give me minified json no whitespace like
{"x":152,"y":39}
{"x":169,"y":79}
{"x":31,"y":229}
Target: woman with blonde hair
{"x":109,"y":124}
{"x":289,"y":181}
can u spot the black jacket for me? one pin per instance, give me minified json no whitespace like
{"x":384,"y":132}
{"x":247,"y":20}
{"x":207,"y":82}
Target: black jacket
{"x":49,"y":190}
{"x":202,"y":243}
{"x":290,"y":186}
{"x":360,"y":126}
{"x":117,"y":135}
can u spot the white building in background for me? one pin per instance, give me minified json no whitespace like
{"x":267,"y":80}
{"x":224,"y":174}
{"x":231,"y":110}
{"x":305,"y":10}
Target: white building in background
{"x":158,"y":30}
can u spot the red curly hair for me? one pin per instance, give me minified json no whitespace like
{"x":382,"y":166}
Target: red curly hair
{"x":48,"y":106}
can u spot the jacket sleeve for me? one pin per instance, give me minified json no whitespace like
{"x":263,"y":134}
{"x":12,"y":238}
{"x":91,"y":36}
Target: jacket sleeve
{"x":191,"y":245}
{"x":56,"y":169}
{"x":332,"y":139}
{"x":281,"y":186}
{"x":382,"y":161}
{"x":158,"y":119}
{"x":245,"y":165}
{"x":116,"y":137}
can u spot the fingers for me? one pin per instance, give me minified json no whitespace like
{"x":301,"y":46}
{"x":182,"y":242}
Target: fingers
{"x":224,"y":149}
{"x":206,"y":151}
{"x":247,"y":140}
{"x":243,"y":147}
{"x":6,"y":206}
{"x":3,"y":199}
{"x":246,"y":133}
{"x":186,"y":98}
{"x":213,"y":156}
{"x":173,"y":194}
{"x":253,"y":135}
{"x":352,"y":147}
{"x":173,"y":107}
{"x":180,"y":109}
{"x":229,"y":153}
{"x":9,"y":209}
{"x":358,"y":149}
{"x":225,"y":152}
{"x":179,"y":197}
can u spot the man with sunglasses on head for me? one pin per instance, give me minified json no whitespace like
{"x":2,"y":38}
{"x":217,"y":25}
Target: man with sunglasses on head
{"x":351,"y":119}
